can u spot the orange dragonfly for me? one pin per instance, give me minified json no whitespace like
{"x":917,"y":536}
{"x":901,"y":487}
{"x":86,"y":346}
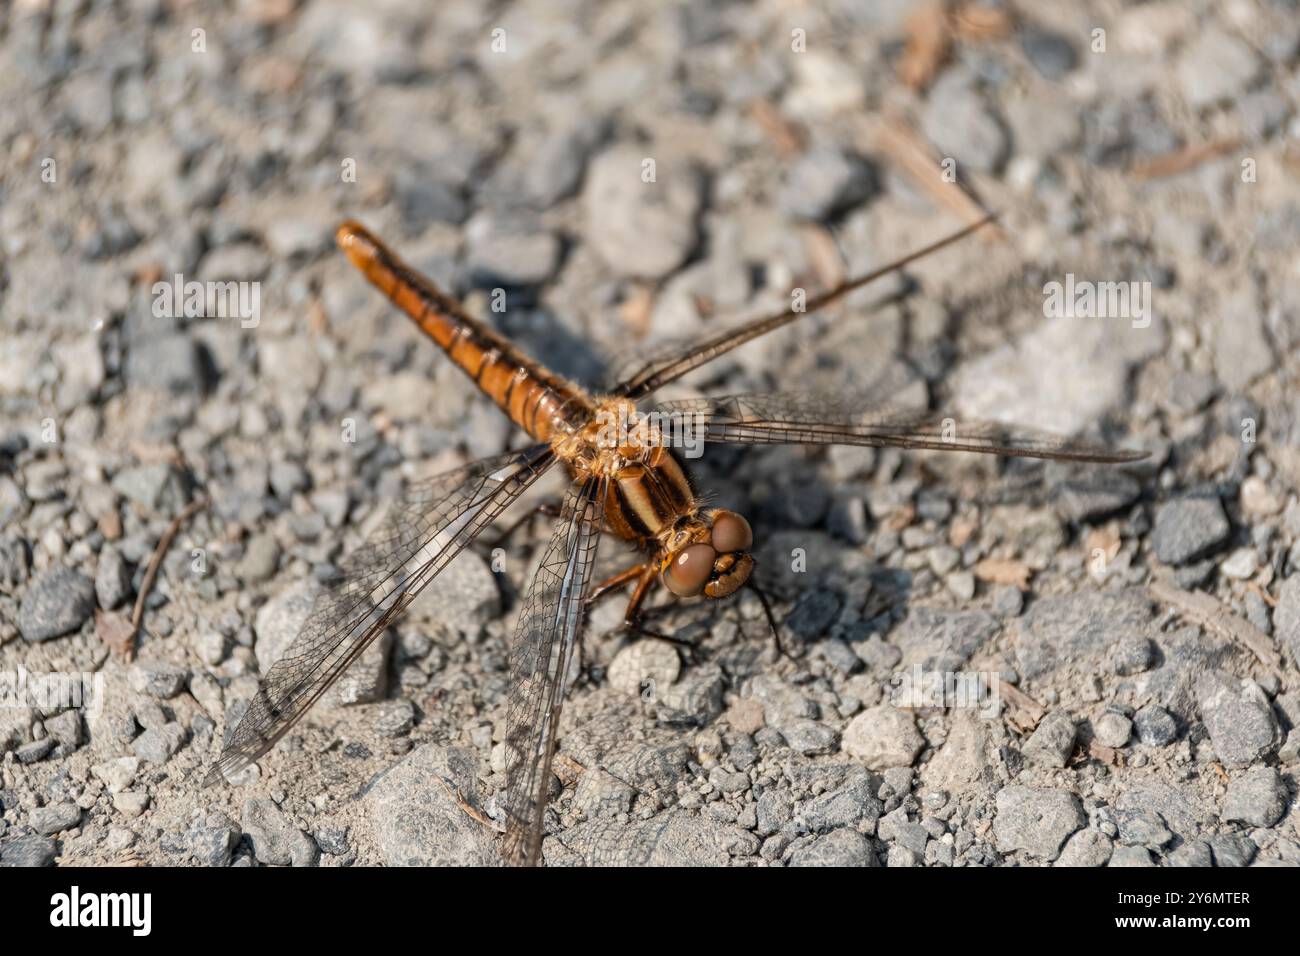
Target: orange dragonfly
{"x":626,"y":480}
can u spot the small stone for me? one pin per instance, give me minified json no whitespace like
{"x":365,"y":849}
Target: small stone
{"x":28,"y":851}
{"x":417,"y":822}
{"x":153,"y":487}
{"x":117,"y":774}
{"x":839,"y":848}
{"x":35,"y":751}
{"x":274,"y":838}
{"x":260,"y":561}
{"x":1051,"y":53}
{"x":1215,"y":66}
{"x":826,"y":182}
{"x":1036,"y":820}
{"x":1052,"y":741}
{"x":157,"y":745}
{"x":1155,"y":726}
{"x":1141,"y":827}
{"x":66,"y":729}
{"x":1134,"y":653}
{"x":884,"y":736}
{"x":1188,"y":528}
{"x":158,"y":681}
{"x":55,"y":818}
{"x":1195,"y":854}
{"x":644,"y":666}
{"x":959,"y":122}
{"x":1232,"y":850}
{"x":1113,"y":729}
{"x":1257,"y":499}
{"x":213,"y":845}
{"x":809,"y":737}
{"x":1131,"y":856}
{"x":1240,"y":565}
{"x":57,"y":602}
{"x":130,"y":803}
{"x":396,"y":718}
{"x":1286,"y":616}
{"x":1257,"y":797}
{"x":332,"y":840}
{"x":642,"y":229}
{"x":1086,"y":848}
{"x":1239,"y":718}
{"x":509,"y":252}
{"x":813,"y":614}
{"x":112,"y":579}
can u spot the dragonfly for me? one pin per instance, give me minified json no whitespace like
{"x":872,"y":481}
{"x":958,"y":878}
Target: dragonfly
{"x":626,"y":480}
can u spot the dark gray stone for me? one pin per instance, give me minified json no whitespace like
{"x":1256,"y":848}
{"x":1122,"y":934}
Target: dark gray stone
{"x":838,"y":848}
{"x":1189,"y":528}
{"x":1257,"y":797}
{"x":273,"y":836}
{"x":58,"y":602}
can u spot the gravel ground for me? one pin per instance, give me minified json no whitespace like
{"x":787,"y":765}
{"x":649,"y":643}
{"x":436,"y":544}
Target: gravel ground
{"x":1140,"y":626}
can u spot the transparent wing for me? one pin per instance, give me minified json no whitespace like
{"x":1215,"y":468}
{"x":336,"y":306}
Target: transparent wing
{"x":543,"y":648}
{"x":659,"y":371}
{"x":425,"y":528}
{"x":806,"y":419}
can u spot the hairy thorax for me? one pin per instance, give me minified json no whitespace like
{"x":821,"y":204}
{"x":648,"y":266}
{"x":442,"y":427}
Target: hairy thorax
{"x":648,"y":492}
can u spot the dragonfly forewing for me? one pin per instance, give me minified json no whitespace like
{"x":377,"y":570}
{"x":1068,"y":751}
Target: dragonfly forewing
{"x":424,"y":529}
{"x":807,"y":419}
{"x":546,"y":639}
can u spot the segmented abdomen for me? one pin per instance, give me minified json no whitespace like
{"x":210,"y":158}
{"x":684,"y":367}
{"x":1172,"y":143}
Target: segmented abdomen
{"x":535,"y":398}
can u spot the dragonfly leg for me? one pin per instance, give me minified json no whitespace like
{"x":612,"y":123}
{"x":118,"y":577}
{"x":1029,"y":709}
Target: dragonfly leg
{"x":633,"y":617}
{"x":771,"y":620}
{"x":614,"y":582}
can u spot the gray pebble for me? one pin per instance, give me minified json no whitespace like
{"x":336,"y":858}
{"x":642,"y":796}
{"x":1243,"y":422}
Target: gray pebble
{"x":1231,"y":850}
{"x":838,"y":848}
{"x":1238,"y":716}
{"x":1051,"y":53}
{"x":261,"y":559}
{"x":810,"y":737}
{"x":1257,"y":797}
{"x":57,"y":602}
{"x":28,"y":851}
{"x":55,"y":818}
{"x":1113,"y":729}
{"x":1188,"y":528}
{"x":157,"y":745}
{"x":1052,"y":741}
{"x":1036,"y":820}
{"x":1086,"y":848}
{"x":112,"y":578}
{"x":825,"y":182}
{"x":274,"y":838}
{"x":1216,"y":66}
{"x":1131,"y":856}
{"x":959,"y":122}
{"x":641,"y":229}
{"x":159,"y":681}
{"x":1155,"y":726}
{"x":1195,"y":853}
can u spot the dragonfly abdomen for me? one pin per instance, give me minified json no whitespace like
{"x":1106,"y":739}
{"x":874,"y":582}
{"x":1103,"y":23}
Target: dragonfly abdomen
{"x":535,"y":398}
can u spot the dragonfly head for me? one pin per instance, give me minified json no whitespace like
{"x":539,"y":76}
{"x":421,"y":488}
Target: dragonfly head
{"x":715,"y":559}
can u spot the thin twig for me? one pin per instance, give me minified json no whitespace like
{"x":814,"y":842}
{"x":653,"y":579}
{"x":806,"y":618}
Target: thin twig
{"x":916,"y":157}
{"x":1182,"y":160}
{"x":155,"y":562}
{"x":1206,"y":610}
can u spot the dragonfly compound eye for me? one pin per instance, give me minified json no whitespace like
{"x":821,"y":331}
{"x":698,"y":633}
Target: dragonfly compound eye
{"x":690,"y":570}
{"x":731,"y":532}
